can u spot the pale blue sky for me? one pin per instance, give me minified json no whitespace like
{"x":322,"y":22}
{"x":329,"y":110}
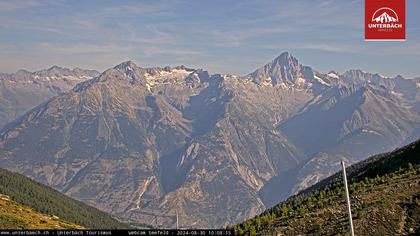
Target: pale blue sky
{"x":221,"y":36}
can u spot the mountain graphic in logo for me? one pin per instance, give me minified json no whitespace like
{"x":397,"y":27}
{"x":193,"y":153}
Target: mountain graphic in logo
{"x":385,"y":18}
{"x":385,"y":15}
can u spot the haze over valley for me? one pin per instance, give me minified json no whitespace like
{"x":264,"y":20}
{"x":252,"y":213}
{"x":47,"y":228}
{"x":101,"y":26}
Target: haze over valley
{"x":145,"y":143}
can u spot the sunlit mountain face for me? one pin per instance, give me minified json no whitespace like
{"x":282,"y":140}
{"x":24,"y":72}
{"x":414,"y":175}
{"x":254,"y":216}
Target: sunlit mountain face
{"x":145,"y":143}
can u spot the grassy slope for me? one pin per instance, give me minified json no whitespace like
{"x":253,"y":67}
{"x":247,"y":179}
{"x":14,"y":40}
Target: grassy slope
{"x":385,"y":196}
{"x":16,"y":216}
{"x":48,"y":201}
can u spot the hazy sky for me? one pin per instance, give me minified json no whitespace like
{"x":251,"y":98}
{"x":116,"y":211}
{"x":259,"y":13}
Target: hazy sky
{"x":221,"y":36}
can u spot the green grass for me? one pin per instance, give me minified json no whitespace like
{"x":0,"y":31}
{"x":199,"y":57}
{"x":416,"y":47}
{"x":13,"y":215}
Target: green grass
{"x":16,"y":216}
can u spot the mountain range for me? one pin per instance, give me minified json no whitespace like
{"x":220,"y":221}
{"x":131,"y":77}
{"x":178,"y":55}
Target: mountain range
{"x":145,"y":143}
{"x":23,"y":90}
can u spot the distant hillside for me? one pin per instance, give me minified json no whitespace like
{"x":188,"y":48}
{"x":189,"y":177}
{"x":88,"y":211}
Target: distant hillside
{"x":45,"y":200}
{"x":385,"y":196}
{"x":17,"y":216}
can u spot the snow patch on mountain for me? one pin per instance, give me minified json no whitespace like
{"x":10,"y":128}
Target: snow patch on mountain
{"x":166,"y":76}
{"x":333,"y":75}
{"x":321,"y":81}
{"x":267,"y":82}
{"x":300,"y":82}
{"x":371,"y":131}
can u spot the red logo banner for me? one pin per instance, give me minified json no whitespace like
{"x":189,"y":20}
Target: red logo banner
{"x":385,"y":20}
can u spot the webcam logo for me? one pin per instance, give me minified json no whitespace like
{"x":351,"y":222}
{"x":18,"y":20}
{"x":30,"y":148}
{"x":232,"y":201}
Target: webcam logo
{"x":384,"y":20}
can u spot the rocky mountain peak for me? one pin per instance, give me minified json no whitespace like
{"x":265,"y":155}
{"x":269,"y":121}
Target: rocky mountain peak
{"x":55,"y":67}
{"x":399,"y":77}
{"x":58,"y":71}
{"x":359,"y":77}
{"x":285,"y":59}
{"x":55,"y":71}
{"x":131,"y":71}
{"x":21,"y":74}
{"x":359,"y":74}
{"x":89,"y":73}
{"x":182,"y":67}
{"x":126,"y":66}
{"x":22,"y":71}
{"x":284,"y":70}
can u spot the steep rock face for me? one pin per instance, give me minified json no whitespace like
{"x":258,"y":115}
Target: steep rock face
{"x":283,"y":71}
{"x":347,"y":121}
{"x":23,"y":90}
{"x":367,"y":116}
{"x":145,"y":143}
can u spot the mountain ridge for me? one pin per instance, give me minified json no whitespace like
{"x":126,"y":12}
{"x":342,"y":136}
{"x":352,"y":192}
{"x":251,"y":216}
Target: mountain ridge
{"x":175,"y":139}
{"x":23,"y":90}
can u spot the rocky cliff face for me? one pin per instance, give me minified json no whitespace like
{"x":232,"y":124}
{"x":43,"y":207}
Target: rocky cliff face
{"x":143,"y":143}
